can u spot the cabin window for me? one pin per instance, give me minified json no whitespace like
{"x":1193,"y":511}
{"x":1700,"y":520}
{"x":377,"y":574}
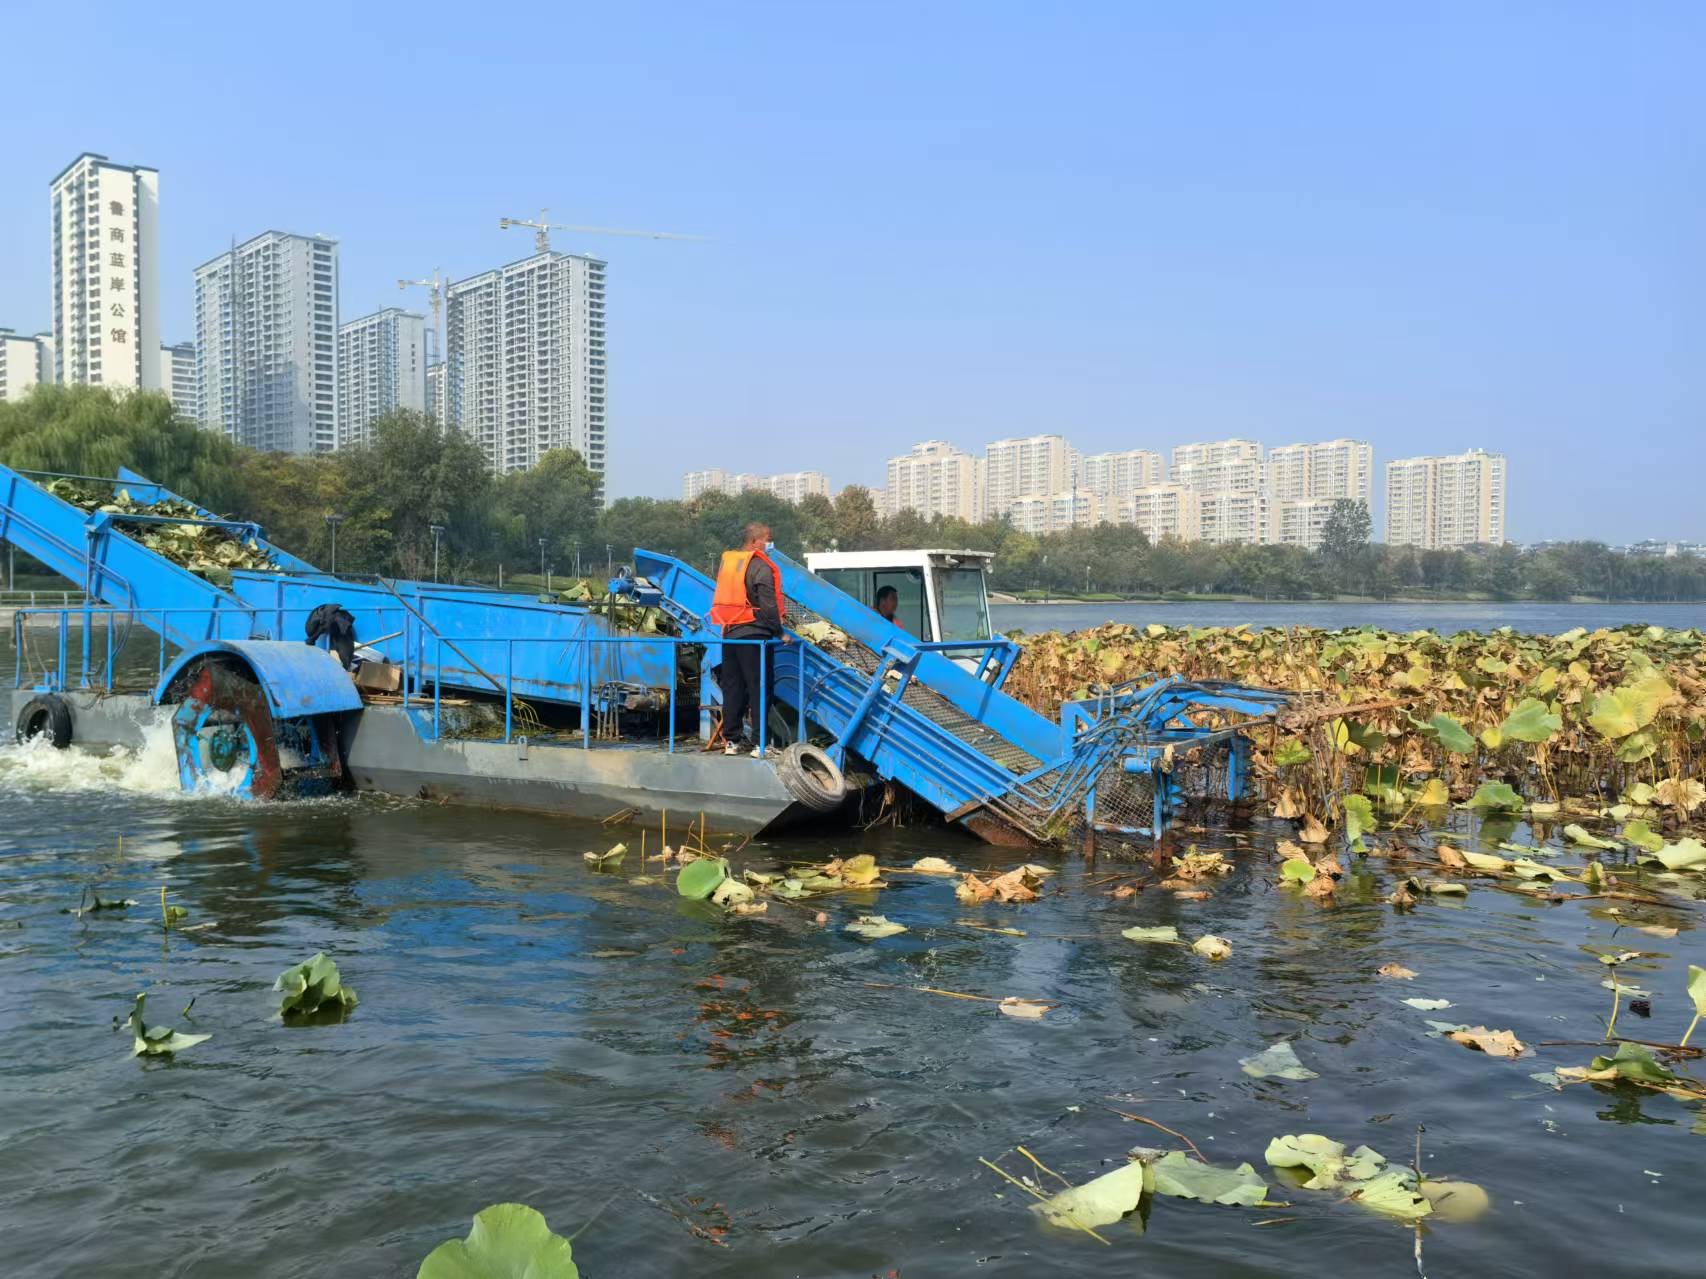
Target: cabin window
{"x":964,"y":602}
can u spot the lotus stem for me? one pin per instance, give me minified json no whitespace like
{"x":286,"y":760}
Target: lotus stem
{"x":1690,"y":1030}
{"x":1616,"y":992}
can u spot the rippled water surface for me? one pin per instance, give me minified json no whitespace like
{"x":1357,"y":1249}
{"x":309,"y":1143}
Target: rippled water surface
{"x":735,"y":1097}
{"x":1392,"y":615}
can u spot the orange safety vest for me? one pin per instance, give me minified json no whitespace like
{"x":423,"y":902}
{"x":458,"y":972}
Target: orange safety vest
{"x":730,"y":605}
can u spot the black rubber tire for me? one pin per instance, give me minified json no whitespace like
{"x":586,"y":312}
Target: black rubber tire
{"x":46,"y":716}
{"x":811,"y":777}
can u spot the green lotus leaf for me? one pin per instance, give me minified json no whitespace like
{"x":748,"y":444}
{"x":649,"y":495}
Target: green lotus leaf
{"x":699,"y":879}
{"x":312,"y":985}
{"x":1531,"y":721}
{"x":1576,"y":835}
{"x":1100,"y":1202}
{"x":157,"y":1041}
{"x":1359,"y":818}
{"x":1495,"y":797}
{"x":508,"y":1241}
{"x":1633,"y":1061}
{"x":1178,"y":1175}
{"x":1160,"y":933}
{"x":1451,"y":734}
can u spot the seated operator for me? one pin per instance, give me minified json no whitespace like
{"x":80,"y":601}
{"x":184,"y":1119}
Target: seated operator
{"x":888,"y":600}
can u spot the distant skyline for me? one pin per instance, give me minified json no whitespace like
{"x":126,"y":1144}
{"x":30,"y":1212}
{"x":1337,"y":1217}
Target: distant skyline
{"x":1135,"y":226}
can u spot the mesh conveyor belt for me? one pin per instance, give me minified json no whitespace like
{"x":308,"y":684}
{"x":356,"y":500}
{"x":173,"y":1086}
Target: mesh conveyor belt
{"x":929,"y":703}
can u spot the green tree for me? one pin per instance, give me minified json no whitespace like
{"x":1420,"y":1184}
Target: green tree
{"x":1347,"y":529}
{"x":411,"y":476}
{"x":857,"y":525}
{"x":90,"y":430}
{"x":557,"y":500}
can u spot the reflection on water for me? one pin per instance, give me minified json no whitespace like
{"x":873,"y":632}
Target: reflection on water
{"x":737,"y":1091}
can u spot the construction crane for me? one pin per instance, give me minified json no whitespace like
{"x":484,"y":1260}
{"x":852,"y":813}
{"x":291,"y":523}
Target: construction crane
{"x":435,"y":298}
{"x":542,"y":231}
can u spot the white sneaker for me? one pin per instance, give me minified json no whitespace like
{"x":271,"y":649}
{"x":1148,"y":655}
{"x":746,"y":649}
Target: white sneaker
{"x":733,"y":748}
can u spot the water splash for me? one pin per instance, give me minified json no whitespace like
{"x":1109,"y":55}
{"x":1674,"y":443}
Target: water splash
{"x":152,"y":770}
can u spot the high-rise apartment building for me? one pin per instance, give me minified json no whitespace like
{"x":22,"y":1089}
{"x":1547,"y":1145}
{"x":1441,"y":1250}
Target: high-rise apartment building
{"x":1438,"y":503}
{"x":796,"y":485}
{"x":1235,"y":516}
{"x":1036,"y":466}
{"x":1301,"y":521}
{"x":24,"y":362}
{"x":437,"y":394}
{"x":1055,"y":512}
{"x":381,"y":368}
{"x":266,"y":320}
{"x":525,"y":348}
{"x":1314,"y":476}
{"x":1162,"y":510}
{"x":790,"y":487}
{"x":937,"y":479}
{"x":1215,"y":453}
{"x":177,"y":378}
{"x":1332,"y":469}
{"x":1113,"y":477}
{"x":106,"y":274}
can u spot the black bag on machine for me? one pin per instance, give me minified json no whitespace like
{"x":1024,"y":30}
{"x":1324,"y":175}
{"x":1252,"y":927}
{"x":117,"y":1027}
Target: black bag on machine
{"x":334,"y":622}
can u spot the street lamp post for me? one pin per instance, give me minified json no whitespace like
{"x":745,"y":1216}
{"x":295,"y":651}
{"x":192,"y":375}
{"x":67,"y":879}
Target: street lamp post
{"x":609,"y":561}
{"x":1045,"y":578}
{"x":1086,"y":579}
{"x":577,"y":559}
{"x":437,"y":532}
{"x":333,"y":519}
{"x":541,"y":557}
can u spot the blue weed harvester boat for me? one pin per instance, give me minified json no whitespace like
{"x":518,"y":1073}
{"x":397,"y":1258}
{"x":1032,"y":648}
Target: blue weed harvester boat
{"x":478,"y":696}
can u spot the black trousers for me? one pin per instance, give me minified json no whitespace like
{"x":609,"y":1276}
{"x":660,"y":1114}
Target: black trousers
{"x":738,"y":678}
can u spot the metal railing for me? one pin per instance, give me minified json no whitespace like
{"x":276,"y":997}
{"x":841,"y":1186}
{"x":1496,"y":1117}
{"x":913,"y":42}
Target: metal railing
{"x":39,"y":599}
{"x":421,"y":680}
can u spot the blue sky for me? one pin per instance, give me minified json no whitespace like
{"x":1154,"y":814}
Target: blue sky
{"x":1435,"y":227}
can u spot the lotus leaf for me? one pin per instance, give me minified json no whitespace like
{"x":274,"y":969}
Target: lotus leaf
{"x":1394,"y":1194}
{"x":1485,"y":861}
{"x":508,"y":1241}
{"x":157,"y":1041}
{"x":700,"y":878}
{"x":1576,"y":835}
{"x":1100,"y":1202}
{"x":1279,"y":1061}
{"x":1621,"y":711}
{"x":1451,"y":734}
{"x":1299,"y":870}
{"x":1685,"y":854}
{"x":1433,"y":794}
{"x":1160,"y":933}
{"x":1531,"y":721}
{"x":731,"y":892}
{"x":1359,"y":818}
{"x":1184,"y":1178}
{"x":1495,"y":797}
{"x":1634,"y":1061}
{"x":312,"y":985}
{"x":1291,"y":752}
{"x":1643,"y":836}
{"x":873,"y":927}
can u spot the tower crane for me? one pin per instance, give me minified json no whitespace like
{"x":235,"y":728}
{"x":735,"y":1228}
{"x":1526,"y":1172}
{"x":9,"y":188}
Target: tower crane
{"x":542,"y":231}
{"x":435,"y":298}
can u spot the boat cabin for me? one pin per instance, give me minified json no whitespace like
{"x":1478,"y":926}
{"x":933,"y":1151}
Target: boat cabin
{"x":942,"y":595}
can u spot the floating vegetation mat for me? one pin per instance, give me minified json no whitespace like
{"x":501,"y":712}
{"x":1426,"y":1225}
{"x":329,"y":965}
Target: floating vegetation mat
{"x":1586,"y":720}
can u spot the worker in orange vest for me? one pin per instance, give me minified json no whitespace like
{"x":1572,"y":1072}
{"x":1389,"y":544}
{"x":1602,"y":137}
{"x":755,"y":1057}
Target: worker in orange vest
{"x":748,"y":605}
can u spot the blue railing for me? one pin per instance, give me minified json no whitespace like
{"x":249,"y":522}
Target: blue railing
{"x":421,"y":680}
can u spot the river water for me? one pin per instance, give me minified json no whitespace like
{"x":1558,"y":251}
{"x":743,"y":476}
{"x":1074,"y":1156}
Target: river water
{"x":1470,"y":615}
{"x":731,"y":1096}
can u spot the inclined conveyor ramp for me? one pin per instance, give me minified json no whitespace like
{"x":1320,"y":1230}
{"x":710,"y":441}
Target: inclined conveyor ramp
{"x":458,"y":638}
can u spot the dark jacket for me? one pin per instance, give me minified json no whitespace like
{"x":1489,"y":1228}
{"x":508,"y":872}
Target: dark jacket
{"x":761,"y":594}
